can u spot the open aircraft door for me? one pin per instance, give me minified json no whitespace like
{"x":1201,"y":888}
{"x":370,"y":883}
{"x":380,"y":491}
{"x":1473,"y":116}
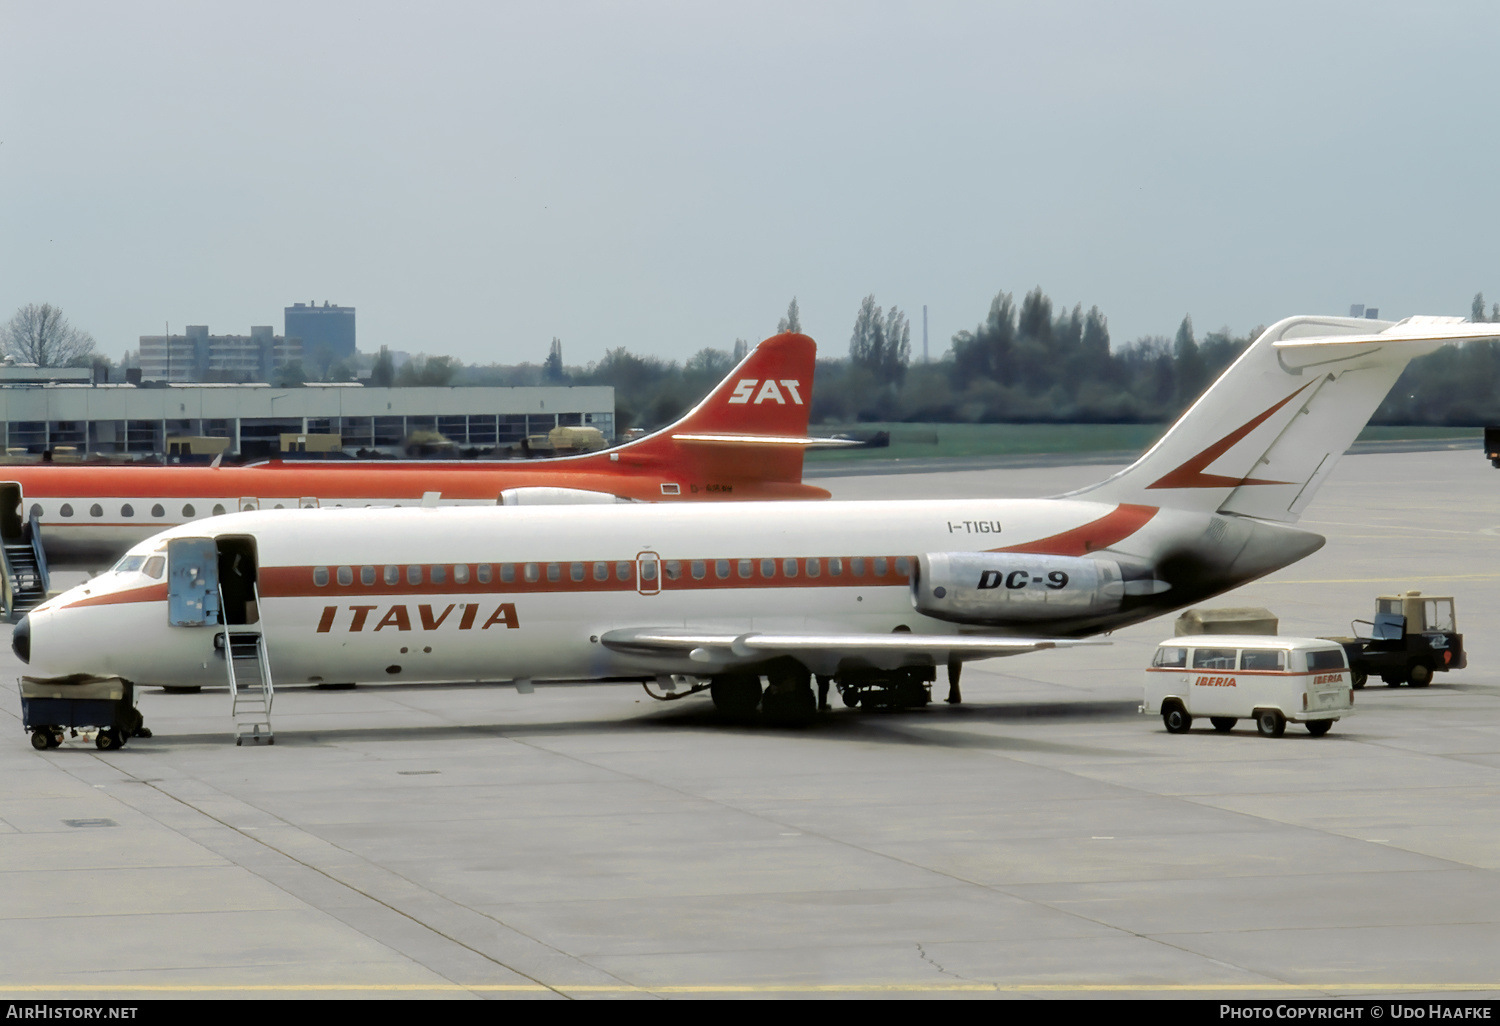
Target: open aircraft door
{"x":193,"y":582}
{"x":647,"y":573}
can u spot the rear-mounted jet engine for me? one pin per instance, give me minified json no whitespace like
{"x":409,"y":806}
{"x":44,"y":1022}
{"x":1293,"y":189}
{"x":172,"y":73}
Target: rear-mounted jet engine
{"x":994,"y":588}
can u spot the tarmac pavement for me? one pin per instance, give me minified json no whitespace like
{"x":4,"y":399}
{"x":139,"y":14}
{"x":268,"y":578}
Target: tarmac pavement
{"x":1042,"y":839}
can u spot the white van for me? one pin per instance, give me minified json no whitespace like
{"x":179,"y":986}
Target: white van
{"x":1230,"y":677}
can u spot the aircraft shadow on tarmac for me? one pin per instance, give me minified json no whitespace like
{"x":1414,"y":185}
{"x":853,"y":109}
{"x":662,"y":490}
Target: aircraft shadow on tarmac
{"x":930,"y":727}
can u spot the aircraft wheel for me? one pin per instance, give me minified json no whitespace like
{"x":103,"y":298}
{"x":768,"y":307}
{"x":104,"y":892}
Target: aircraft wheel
{"x":40,"y":740}
{"x":1270,"y":723}
{"x":1317,"y":728}
{"x":1223,"y":723}
{"x":850,"y":696}
{"x":1358,"y":678}
{"x":1420,"y":675}
{"x":1176,"y":719}
{"x":105,"y":740}
{"x":735,"y":694}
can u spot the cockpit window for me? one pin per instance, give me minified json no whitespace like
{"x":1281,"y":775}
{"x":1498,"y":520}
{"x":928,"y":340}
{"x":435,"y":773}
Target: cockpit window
{"x":129,"y":564}
{"x":155,"y":567}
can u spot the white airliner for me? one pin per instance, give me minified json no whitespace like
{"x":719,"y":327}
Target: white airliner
{"x":876,"y":595}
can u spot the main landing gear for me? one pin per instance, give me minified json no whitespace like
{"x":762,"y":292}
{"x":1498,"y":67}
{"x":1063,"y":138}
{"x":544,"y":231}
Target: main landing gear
{"x":788,"y":699}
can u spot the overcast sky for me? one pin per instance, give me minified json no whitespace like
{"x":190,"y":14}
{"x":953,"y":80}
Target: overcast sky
{"x":476,"y":178}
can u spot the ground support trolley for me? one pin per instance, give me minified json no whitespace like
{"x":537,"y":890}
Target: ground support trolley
{"x":51,"y":708}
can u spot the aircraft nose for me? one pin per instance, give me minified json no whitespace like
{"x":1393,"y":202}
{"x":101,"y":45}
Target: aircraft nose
{"x":20,"y":639}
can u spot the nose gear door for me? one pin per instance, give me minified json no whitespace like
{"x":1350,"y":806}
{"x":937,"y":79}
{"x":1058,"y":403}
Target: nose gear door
{"x":192,"y":582}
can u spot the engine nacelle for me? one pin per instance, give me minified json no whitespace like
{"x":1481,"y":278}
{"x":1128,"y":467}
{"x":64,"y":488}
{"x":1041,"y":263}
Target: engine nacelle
{"x":993,"y":588}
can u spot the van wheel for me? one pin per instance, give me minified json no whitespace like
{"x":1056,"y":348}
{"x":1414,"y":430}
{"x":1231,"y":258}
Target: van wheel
{"x":1270,"y":723}
{"x":1420,"y":675}
{"x":1358,"y":678}
{"x":1317,"y":728}
{"x":1176,"y":719}
{"x":1223,"y":723}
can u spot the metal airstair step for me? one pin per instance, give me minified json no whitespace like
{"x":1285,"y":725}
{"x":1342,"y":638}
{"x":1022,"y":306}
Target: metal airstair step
{"x":251,"y":692}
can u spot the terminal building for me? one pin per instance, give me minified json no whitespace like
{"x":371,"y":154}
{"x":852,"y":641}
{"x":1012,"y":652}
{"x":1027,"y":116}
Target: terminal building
{"x":137,"y":422}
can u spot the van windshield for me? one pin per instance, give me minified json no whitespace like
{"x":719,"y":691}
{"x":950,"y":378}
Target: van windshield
{"x":1170,"y":657}
{"x":1262,"y":659}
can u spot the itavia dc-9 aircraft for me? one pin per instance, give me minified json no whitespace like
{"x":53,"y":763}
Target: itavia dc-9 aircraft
{"x":876,"y":595}
{"x":744,"y":441}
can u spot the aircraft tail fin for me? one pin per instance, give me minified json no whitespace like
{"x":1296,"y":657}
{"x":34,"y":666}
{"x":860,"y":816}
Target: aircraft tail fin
{"x":751,"y":428}
{"x":1264,"y":436}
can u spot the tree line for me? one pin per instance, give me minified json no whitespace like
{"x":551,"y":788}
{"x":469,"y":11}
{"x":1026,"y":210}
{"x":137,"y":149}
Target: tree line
{"x":1024,"y":362}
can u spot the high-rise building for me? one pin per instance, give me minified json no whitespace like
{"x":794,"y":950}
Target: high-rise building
{"x":322,"y":327}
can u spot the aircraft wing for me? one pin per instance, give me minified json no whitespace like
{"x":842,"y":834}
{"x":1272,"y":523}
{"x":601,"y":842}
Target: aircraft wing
{"x":822,"y":651}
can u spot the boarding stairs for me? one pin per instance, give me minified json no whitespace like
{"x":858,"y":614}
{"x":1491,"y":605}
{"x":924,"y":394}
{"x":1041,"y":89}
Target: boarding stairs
{"x":25,"y":571}
{"x":251,"y":690}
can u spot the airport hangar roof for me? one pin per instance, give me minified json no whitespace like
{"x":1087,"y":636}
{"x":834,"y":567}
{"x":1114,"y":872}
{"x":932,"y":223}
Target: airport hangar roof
{"x":53,"y":402}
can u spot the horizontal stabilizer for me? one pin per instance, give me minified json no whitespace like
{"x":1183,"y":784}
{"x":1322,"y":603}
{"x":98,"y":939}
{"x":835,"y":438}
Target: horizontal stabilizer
{"x":795,"y":440}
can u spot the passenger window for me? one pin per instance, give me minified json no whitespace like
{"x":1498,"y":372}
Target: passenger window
{"x":188,"y":511}
{"x":721,"y":569}
{"x":533,"y":573}
{"x":673,"y":569}
{"x":127,"y":510}
{"x":96,"y":510}
{"x":439,"y":574}
{"x":158,"y":511}
{"x":768,"y":568}
{"x":367,"y":575}
{"x":483,"y":573}
{"x":601,"y":571}
{"x":835,"y":567}
{"x":622,"y":571}
{"x":346,"y":576}
{"x":880,"y":566}
{"x":1170,"y":657}
{"x":813,"y":568}
{"x":554,"y":572}
{"x":1213,"y":658}
{"x":576,"y":571}
{"x":392,"y":575}
{"x":857,"y":566}
{"x":414,"y":574}
{"x":648,"y":570}
{"x":1262,"y":659}
{"x":507,"y":573}
{"x":1326,"y":659}
{"x":903,"y":566}
{"x":36,"y":511}
{"x":155,"y":567}
{"x":746,"y":569}
{"x":66,"y":510}
{"x":700,"y":569}
{"x":218,"y":509}
{"x":320,"y":576}
{"x":789,"y":567}
{"x":461,"y":573}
